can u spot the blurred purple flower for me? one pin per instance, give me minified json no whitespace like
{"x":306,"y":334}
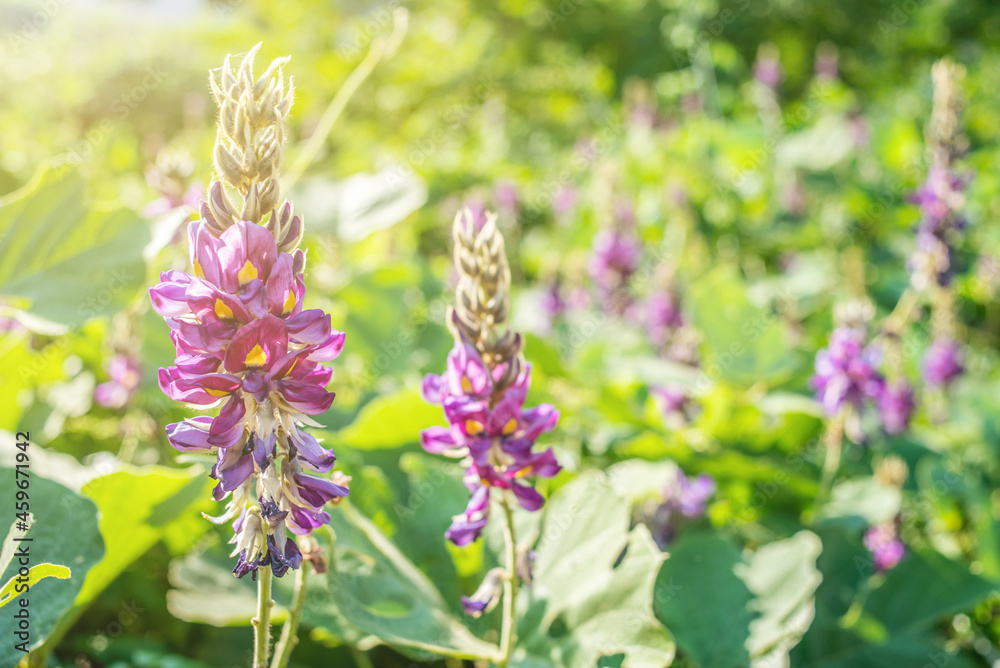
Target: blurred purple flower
{"x":895,"y":406}
{"x":614,"y":259}
{"x":885,"y":546}
{"x":767,"y":68}
{"x":486,"y":596}
{"x":662,"y":316}
{"x":506,"y":197}
{"x":845,"y":371}
{"x":125,"y":374}
{"x":942,"y":363}
{"x":683,"y":498}
{"x":564,"y":200}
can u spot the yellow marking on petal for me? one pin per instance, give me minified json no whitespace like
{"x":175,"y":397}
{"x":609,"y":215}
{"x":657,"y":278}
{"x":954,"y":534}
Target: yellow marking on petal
{"x":289,"y":303}
{"x":473,"y":427}
{"x":523,"y":472}
{"x":247,"y":273}
{"x":198,"y":271}
{"x":485,"y":482}
{"x":216,"y":393}
{"x":256,"y":357}
{"x":223,"y":311}
{"x":466,"y":384}
{"x":510,"y":427}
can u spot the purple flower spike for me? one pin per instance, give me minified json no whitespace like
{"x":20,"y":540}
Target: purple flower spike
{"x":942,"y":363}
{"x":245,"y":344}
{"x":495,"y":439}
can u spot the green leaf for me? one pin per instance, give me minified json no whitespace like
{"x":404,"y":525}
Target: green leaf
{"x":743,"y":344}
{"x":390,"y":421}
{"x":35,"y":573}
{"x":378,"y":590}
{"x":783,"y":578}
{"x":69,"y":261}
{"x":703,"y":602}
{"x":65,"y":534}
{"x":862,"y":502}
{"x":140,"y":507}
{"x":946,"y":588}
{"x":586,"y":601}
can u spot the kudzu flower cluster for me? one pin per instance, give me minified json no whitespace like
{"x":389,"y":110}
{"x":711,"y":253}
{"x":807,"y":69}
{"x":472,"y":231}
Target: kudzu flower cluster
{"x":244,"y":343}
{"x":941,"y":200}
{"x":484,"y":387}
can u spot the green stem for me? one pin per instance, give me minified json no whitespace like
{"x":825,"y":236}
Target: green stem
{"x":382,"y":47}
{"x":834,"y":440}
{"x":510,"y":586}
{"x":361,"y":659}
{"x":262,"y":622}
{"x":289,"y":632}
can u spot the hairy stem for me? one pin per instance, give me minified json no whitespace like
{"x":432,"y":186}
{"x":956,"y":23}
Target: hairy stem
{"x":289,"y":632}
{"x":262,"y":622}
{"x":510,"y":586}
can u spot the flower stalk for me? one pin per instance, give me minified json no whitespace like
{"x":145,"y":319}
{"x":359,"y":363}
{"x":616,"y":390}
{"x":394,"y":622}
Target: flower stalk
{"x":245,"y":346}
{"x":483,"y":393}
{"x":510,"y":586}
{"x":262,"y":622}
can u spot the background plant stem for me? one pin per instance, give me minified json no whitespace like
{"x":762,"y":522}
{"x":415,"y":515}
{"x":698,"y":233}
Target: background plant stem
{"x":289,"y":632}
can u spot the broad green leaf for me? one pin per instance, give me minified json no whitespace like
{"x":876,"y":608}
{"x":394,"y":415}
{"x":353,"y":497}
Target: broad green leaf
{"x":68,"y":260}
{"x":35,"y":573}
{"x":703,"y":602}
{"x":65,"y":534}
{"x":946,"y":588}
{"x":783,"y":578}
{"x":586,"y":601}
{"x":892,"y":628}
{"x":391,"y":421}
{"x":743,"y":344}
{"x":378,"y":590}
{"x":140,"y":507}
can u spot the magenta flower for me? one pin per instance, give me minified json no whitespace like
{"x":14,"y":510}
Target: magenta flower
{"x":662,"y":316}
{"x":245,"y":345}
{"x":942,"y":363}
{"x":896,"y":406}
{"x":494,"y":436}
{"x":125,"y":373}
{"x":846,"y":371}
{"x":885,"y":546}
{"x":614,"y":260}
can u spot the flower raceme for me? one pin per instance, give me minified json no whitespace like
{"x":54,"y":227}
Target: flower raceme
{"x":496,"y":439}
{"x":245,"y":344}
{"x":485,"y":384}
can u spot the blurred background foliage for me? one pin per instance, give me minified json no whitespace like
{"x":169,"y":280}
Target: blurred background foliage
{"x":775,"y":209}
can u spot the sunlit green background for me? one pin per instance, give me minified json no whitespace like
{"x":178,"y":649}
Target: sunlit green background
{"x":763,"y":212}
